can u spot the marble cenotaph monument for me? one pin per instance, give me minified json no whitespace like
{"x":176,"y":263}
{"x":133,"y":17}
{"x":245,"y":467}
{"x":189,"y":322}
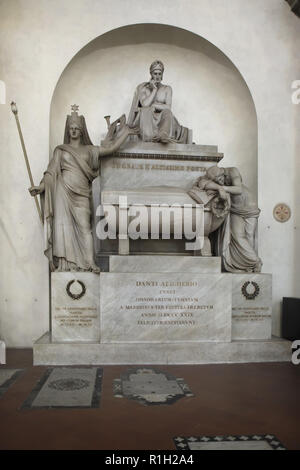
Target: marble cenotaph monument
{"x":152,"y":246}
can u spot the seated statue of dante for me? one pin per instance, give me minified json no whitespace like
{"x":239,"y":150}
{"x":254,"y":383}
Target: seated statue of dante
{"x":151,"y":110}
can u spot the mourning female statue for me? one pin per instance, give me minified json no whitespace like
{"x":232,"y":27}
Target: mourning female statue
{"x":151,"y":110}
{"x":66,"y":195}
{"x":235,"y":239}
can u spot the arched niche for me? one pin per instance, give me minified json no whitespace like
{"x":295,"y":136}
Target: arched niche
{"x":210,"y":95}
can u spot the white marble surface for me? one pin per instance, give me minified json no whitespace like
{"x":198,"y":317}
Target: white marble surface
{"x":2,"y":353}
{"x":158,"y":212}
{"x":163,"y":307}
{"x":47,"y":353}
{"x":148,"y":195}
{"x":129,"y":173}
{"x":164,"y":264}
{"x":75,"y":319}
{"x":251,"y":318}
{"x":134,"y":146}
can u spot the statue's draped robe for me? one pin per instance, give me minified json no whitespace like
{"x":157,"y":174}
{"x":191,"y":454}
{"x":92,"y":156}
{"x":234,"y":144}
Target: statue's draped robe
{"x":235,"y":240}
{"x":153,"y":124}
{"x":67,"y":208}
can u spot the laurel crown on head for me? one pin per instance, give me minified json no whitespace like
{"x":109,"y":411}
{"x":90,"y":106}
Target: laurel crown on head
{"x":157,"y":64}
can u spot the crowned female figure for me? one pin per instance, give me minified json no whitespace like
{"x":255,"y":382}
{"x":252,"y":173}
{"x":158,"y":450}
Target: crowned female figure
{"x":66,"y":195}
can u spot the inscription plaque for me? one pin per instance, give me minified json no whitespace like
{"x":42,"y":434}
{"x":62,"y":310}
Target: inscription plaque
{"x":251,"y":306}
{"x":75,"y":306}
{"x":157,"y":307}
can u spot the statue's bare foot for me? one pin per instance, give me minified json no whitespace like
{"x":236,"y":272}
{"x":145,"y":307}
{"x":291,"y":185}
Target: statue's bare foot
{"x":95,"y":269}
{"x":164,"y":138}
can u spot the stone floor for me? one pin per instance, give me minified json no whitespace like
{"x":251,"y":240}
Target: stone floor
{"x":234,"y":399}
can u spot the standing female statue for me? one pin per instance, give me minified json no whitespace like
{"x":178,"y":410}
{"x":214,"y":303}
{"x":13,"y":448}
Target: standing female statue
{"x":151,"y":110}
{"x":66,"y":196}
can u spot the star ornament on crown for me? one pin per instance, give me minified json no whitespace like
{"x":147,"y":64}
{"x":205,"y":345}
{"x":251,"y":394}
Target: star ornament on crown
{"x":79,"y":121}
{"x":74,"y":118}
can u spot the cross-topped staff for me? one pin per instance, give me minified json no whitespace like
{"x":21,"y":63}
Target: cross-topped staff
{"x":15,"y":111}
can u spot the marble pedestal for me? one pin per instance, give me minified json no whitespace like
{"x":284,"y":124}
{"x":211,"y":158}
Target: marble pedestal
{"x":47,"y":353}
{"x":148,"y":333}
{"x":75,"y":306}
{"x":2,"y":353}
{"x":251,"y":306}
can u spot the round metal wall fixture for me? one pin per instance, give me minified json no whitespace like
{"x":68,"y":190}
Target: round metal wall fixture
{"x":282,"y":212}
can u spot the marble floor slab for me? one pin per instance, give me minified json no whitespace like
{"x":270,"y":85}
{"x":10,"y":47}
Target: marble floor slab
{"x":150,"y":387}
{"x":7,"y":378}
{"x":62,"y":387}
{"x":254,"y":442}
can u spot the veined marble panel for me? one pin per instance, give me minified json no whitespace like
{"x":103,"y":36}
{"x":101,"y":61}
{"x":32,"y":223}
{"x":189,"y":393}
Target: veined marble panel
{"x":251,"y":306}
{"x":164,"y":264}
{"x":158,"y":307}
{"x":75,"y":306}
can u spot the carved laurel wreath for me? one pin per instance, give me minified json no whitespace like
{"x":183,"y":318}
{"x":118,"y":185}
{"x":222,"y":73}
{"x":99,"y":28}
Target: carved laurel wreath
{"x":219,"y":207}
{"x":75,"y":296}
{"x":251,"y":295}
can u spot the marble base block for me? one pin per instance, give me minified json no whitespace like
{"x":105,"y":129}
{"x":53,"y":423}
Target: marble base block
{"x":251,"y":306}
{"x":2,"y":353}
{"x":141,"y":164}
{"x":75,"y":306}
{"x":47,"y":353}
{"x":158,"y":307}
{"x":164,"y":264}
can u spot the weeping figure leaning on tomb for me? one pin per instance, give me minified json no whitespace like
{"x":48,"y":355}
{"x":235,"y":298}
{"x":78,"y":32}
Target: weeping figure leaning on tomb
{"x":151,"y":110}
{"x":235,"y":239}
{"x":66,"y":196}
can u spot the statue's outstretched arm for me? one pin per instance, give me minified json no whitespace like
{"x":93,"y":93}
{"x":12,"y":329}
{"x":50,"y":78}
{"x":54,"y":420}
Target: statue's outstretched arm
{"x":114,"y":145}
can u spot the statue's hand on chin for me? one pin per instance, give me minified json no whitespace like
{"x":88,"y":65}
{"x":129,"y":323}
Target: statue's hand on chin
{"x":152,"y":85}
